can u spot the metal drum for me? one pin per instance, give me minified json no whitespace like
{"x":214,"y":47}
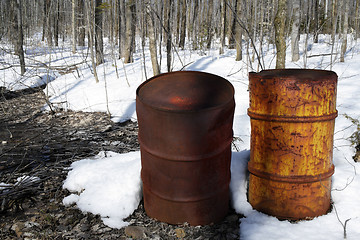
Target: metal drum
{"x":185,"y":132}
{"x":292,"y":115}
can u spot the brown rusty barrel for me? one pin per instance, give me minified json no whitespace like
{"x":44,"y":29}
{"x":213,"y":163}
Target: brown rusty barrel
{"x":292,"y":115}
{"x":185,"y":133}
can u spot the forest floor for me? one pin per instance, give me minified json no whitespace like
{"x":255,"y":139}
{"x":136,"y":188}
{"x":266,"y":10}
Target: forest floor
{"x":43,"y":145}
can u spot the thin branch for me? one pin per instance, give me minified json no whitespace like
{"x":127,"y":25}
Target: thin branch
{"x":242,"y":25}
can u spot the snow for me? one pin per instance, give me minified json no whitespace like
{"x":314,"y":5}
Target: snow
{"x":110,"y":185}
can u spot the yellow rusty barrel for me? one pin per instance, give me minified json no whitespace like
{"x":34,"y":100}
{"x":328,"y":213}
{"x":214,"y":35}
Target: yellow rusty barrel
{"x":292,"y":115}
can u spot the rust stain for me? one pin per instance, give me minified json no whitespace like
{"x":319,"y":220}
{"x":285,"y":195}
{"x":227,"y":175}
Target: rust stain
{"x":185,"y":132}
{"x":292,"y":125}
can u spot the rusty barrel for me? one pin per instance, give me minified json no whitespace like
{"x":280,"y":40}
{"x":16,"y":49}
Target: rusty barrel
{"x":292,"y":115}
{"x":185,"y":132}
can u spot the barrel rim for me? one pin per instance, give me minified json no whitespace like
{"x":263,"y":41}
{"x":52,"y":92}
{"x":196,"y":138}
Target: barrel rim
{"x":284,"y":73}
{"x":222,"y":105}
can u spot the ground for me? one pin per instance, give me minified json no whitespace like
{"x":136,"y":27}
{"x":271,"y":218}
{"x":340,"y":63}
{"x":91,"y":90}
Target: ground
{"x":43,"y":144}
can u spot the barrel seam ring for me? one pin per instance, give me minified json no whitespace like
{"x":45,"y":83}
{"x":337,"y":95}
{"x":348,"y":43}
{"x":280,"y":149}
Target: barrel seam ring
{"x":273,"y":118}
{"x":292,"y":179}
{"x":198,"y":157}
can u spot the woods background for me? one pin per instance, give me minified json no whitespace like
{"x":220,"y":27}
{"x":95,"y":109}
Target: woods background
{"x":128,"y":25}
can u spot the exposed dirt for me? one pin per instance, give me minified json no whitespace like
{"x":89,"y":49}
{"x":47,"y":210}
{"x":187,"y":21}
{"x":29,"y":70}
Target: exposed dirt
{"x":44,"y":144}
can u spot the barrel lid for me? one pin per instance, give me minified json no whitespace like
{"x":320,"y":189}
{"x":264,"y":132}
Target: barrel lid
{"x":185,"y":91}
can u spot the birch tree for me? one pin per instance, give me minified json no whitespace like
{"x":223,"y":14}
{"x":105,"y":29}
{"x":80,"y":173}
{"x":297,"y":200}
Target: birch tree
{"x":152,"y":40}
{"x":130,"y":12}
{"x":295,"y":31}
{"x":56,"y":22}
{"x":316,"y":21}
{"x":99,"y":46}
{"x":345,"y":29}
{"x":222,"y":27}
{"x":73,"y":26}
{"x":238,"y":32}
{"x":81,"y":23}
{"x":280,"y":41}
{"x":122,"y":27}
{"x":90,"y":26}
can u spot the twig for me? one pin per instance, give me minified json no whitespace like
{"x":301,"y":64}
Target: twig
{"x":321,"y":55}
{"x":186,"y":65}
{"x":352,"y":179}
{"x":242,"y":25}
{"x":342,"y":224}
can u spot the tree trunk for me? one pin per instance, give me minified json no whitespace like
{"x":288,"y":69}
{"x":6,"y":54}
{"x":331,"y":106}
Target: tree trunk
{"x":195,"y":33}
{"x":152,"y":41}
{"x":56,"y":23}
{"x":47,"y":23}
{"x":81,"y":23}
{"x":73,"y":26}
{"x":357,"y":27}
{"x":122,"y":27}
{"x":345,"y":30}
{"x":210,"y":24}
{"x":44,"y":21}
{"x":295,"y":31}
{"x":232,"y":26}
{"x":316,"y":21}
{"x":178,"y":21}
{"x":183,"y":25}
{"x":20,"y":36}
{"x":222,"y":26}
{"x":167,"y":31}
{"x":99,"y":47}
{"x":89,"y":6}
{"x":238,"y":32}
{"x":130,"y":31}
{"x":280,"y":41}
{"x":334,"y":19}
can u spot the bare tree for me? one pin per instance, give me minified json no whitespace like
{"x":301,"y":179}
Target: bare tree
{"x":99,"y":46}
{"x":316,"y":21}
{"x":357,"y":17}
{"x":183,"y":24}
{"x":295,"y":31}
{"x":130,"y":10}
{"x":152,"y":40}
{"x":47,"y":22}
{"x":280,"y":41}
{"x":334,"y":19}
{"x":238,"y":32}
{"x":56,"y":22}
{"x":209,"y":24}
{"x":19,"y":34}
{"x":345,"y":4}
{"x":222,"y":26}
{"x":122,"y":26}
{"x":90,"y":25}
{"x":81,"y":22}
{"x":167,"y":31}
{"x":73,"y":25}
{"x":232,"y":25}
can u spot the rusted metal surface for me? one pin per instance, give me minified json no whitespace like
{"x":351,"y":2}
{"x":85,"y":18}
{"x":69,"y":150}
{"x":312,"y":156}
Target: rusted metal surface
{"x":292,"y":114}
{"x":185,"y":133}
